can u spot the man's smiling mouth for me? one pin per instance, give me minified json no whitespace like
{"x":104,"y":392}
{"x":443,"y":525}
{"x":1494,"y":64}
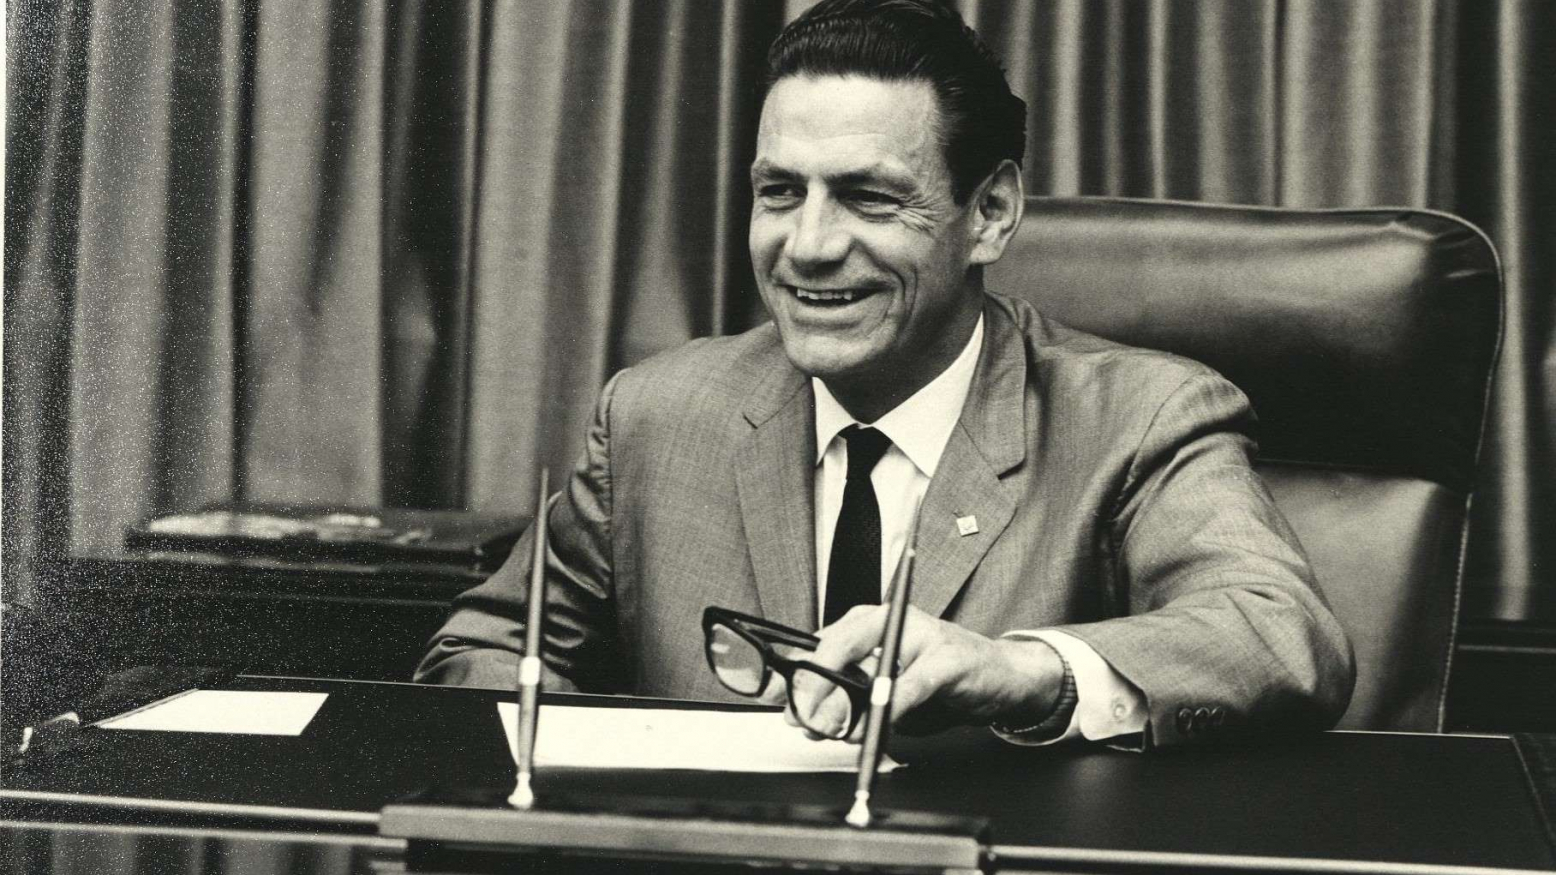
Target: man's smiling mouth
{"x":830,"y":297}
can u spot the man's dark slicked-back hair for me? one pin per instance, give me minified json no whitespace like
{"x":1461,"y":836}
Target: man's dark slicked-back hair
{"x":982,"y":122}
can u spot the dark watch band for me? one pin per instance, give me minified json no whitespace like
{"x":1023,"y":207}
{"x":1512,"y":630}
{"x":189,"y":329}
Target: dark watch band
{"x":1058,"y":720}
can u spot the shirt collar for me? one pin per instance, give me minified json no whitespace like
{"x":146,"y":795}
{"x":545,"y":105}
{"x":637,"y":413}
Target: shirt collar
{"x":919,"y":426}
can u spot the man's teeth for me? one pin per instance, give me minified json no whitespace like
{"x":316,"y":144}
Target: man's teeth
{"x":841,"y":295}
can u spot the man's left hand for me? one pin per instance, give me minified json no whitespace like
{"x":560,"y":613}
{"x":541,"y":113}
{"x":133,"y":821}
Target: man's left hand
{"x":949,"y":676}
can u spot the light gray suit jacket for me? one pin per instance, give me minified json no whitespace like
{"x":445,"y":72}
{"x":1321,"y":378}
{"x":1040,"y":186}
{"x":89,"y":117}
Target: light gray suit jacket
{"x":1113,"y":498}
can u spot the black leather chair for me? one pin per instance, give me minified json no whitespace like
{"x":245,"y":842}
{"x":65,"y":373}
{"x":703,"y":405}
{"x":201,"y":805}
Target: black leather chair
{"x":1365,"y":340}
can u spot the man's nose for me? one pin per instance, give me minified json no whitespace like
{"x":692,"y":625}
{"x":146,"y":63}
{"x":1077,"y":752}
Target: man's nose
{"x":819,"y":237}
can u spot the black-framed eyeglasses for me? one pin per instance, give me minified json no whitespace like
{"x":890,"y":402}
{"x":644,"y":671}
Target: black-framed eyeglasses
{"x":745,"y":651}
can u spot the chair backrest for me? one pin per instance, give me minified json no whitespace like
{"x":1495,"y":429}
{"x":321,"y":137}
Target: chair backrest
{"x":1365,"y":340}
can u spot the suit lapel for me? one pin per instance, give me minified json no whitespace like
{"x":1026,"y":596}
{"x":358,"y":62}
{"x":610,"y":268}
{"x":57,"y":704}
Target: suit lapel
{"x":775,"y":479}
{"x":989,"y":441}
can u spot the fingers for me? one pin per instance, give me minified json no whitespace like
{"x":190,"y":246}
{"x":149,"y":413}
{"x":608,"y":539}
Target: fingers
{"x":817,"y":702}
{"x":822,"y":707}
{"x":947,"y":675}
{"x":852,"y":638}
{"x":775,"y":693}
{"x":912,"y":707}
{"x":944,"y":675}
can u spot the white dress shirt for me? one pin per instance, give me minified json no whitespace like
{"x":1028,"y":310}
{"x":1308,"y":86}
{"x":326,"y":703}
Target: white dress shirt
{"x":1107,"y":706}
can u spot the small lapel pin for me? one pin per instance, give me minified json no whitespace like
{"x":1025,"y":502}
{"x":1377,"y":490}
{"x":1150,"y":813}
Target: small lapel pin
{"x":967,"y":525}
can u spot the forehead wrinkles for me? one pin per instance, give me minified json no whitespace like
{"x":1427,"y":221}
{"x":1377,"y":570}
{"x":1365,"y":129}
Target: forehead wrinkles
{"x":842,"y":123}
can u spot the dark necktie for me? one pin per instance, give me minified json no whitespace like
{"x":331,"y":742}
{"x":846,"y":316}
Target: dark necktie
{"x":854,"y":572}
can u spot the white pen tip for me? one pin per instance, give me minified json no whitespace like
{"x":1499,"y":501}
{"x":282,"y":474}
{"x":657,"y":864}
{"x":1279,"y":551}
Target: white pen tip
{"x":859,"y":815}
{"x":523,"y":796}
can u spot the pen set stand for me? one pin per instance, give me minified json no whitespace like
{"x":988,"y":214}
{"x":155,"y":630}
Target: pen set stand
{"x":483,"y":831}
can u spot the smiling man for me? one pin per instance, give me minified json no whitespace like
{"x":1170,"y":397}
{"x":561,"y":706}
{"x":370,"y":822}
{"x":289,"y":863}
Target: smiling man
{"x":1096,"y":557}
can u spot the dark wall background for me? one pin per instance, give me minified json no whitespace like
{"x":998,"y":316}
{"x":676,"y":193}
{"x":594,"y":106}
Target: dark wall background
{"x":386,"y":253}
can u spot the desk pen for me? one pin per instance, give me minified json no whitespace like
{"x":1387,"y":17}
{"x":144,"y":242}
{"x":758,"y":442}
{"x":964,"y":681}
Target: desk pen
{"x":879,"y":715}
{"x":529,"y":665}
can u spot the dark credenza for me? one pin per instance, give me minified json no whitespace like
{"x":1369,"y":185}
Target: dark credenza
{"x":366,"y":622}
{"x":1323,"y":802}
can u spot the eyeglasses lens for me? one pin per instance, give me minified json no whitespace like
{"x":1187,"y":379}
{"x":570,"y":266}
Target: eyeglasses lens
{"x":823,"y":707}
{"x":736,"y":661}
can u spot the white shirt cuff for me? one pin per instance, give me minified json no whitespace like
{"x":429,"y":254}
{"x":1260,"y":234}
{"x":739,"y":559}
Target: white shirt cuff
{"x":1106,"y":705}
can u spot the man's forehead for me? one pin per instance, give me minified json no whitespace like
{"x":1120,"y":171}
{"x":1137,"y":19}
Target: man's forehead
{"x":848,"y":124}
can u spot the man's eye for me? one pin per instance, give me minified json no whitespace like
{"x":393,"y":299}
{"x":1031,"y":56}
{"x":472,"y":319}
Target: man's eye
{"x":872,"y":199}
{"x":778,"y":192}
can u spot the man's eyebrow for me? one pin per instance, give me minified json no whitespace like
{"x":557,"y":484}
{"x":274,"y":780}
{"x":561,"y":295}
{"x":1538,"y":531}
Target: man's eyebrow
{"x":763,"y":169}
{"x":878,"y":175}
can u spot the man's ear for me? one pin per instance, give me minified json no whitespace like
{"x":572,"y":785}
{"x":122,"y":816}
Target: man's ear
{"x":998,"y":206}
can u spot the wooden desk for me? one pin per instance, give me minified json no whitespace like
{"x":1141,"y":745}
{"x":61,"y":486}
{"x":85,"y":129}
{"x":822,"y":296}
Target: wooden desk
{"x":1327,"y":802}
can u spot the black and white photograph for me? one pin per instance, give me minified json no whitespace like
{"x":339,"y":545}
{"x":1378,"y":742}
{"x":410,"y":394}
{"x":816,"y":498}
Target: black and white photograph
{"x":832,"y":436}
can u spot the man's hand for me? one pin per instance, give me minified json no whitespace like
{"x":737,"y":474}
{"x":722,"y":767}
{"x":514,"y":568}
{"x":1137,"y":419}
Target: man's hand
{"x":949,"y":675}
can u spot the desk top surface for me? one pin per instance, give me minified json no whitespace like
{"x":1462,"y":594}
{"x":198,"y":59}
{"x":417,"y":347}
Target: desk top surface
{"x":1406,"y":799}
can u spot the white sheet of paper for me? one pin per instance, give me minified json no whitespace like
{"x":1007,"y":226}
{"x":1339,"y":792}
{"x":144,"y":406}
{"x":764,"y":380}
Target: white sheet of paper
{"x":233,"y":712}
{"x":661,"y":738}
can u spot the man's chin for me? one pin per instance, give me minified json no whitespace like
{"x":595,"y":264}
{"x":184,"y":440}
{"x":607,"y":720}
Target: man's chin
{"x":826,"y":364}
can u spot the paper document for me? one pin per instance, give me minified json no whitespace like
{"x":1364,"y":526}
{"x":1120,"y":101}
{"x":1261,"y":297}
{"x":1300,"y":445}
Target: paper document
{"x":660,"y":738}
{"x":232,"y":712}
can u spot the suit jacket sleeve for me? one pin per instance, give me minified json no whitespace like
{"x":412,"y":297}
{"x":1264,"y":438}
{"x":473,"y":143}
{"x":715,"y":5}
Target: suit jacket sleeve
{"x":1226,"y":629}
{"x":481,"y":642}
